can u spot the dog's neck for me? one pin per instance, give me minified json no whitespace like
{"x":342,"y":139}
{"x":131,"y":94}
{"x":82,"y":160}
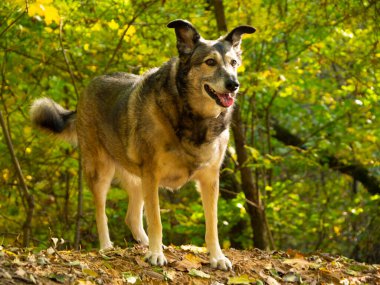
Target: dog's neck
{"x":189,"y":124}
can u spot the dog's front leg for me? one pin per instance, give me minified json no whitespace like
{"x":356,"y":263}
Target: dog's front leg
{"x":209,"y":186}
{"x":155,"y":255}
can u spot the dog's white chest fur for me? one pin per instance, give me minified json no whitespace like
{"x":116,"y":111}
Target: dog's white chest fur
{"x":179,"y":164}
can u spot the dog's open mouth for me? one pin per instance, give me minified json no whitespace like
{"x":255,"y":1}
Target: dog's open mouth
{"x":222,"y":99}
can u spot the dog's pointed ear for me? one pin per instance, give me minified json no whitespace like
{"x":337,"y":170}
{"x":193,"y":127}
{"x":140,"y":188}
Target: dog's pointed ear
{"x":234,"y":37}
{"x":187,"y":36}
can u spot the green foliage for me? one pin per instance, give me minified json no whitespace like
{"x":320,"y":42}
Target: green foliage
{"x":311,"y":65}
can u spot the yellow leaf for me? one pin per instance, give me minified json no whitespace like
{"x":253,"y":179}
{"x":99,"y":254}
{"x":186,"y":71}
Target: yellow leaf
{"x":86,"y":47}
{"x":113,"y":25}
{"x":6,"y":174}
{"x":241,"y":68}
{"x":51,"y":15}
{"x":90,"y":272}
{"x":268,"y":188}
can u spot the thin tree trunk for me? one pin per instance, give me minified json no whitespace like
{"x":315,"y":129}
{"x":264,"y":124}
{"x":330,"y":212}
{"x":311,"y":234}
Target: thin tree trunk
{"x":26,"y":195}
{"x":257,"y":214}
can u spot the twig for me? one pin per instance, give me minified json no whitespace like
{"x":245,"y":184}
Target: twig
{"x":246,"y":200}
{"x":27,"y":195}
{"x":12,"y":23}
{"x":66,"y":59}
{"x":120,"y":43}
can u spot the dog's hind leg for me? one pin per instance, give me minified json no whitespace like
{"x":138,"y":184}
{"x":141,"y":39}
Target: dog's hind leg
{"x":99,"y":171}
{"x":134,"y":216}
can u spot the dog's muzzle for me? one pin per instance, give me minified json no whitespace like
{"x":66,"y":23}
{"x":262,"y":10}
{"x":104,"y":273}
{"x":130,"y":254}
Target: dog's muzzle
{"x":222,"y":99}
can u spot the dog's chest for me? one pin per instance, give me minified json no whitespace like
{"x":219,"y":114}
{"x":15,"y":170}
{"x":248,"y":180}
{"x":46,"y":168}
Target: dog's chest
{"x":179,"y":163}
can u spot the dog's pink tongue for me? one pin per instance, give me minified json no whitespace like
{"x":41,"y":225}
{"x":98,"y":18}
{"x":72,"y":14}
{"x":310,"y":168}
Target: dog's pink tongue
{"x":226,"y":99}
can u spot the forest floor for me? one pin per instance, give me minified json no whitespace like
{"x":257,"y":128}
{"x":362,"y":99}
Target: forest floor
{"x":186,"y":265}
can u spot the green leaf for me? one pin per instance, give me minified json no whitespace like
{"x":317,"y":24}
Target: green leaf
{"x":199,"y":273}
{"x":130,"y":278}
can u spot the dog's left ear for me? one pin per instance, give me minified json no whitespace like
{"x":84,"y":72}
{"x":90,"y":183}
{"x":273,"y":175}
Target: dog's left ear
{"x":187,"y":36}
{"x":234,"y":37}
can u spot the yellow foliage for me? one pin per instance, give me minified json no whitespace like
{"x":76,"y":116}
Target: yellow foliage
{"x":6,"y":174}
{"x":45,"y":9}
{"x":97,"y":27}
{"x":113,"y":25}
{"x":131,"y":31}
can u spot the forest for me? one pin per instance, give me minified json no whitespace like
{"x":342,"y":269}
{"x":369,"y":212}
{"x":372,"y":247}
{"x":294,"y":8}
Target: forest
{"x":302,"y":168}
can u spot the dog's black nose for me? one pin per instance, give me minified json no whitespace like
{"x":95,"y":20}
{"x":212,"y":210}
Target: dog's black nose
{"x":232,"y":85}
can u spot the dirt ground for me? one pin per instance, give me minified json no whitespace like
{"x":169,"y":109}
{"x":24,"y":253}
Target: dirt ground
{"x":186,"y":265}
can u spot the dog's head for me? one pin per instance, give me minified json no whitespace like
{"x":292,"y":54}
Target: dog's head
{"x":208,"y":69}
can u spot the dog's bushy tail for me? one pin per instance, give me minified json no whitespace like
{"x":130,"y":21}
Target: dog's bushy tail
{"x":52,"y":118}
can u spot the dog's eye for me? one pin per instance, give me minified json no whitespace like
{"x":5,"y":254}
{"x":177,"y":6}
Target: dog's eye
{"x":233,"y":63}
{"x":210,"y":62}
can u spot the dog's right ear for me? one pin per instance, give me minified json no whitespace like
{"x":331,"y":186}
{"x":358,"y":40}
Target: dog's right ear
{"x":187,"y":36}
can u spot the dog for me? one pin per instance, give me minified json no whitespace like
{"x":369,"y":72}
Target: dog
{"x":161,"y":129}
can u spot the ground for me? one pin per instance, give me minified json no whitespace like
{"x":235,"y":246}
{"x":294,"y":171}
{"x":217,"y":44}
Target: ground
{"x":186,"y":265}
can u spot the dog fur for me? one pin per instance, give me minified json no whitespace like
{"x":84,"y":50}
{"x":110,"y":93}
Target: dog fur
{"x":161,"y":129}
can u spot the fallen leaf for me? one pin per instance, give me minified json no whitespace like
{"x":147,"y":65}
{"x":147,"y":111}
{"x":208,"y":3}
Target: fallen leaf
{"x":194,"y":249}
{"x":193,"y":258}
{"x":169,"y":275}
{"x":50,"y":251}
{"x":57,"y":277}
{"x":130,"y":278}
{"x":186,"y":265}
{"x":141,"y":262}
{"x":32,"y":278}
{"x":291,"y":277}
{"x":107,"y":265}
{"x":75,"y":263}
{"x":154,"y":275}
{"x":295,"y":254}
{"x":268,"y":279}
{"x":90,"y":272}
{"x":199,"y":273}
{"x":242,"y":279}
{"x":20,"y":272}
{"x":351,"y":272}
{"x":4,"y":274}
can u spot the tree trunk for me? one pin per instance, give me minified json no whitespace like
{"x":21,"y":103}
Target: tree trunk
{"x":256,"y":213}
{"x":27,"y":197}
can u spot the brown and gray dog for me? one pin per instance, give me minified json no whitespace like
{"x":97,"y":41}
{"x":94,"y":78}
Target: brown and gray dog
{"x":161,"y":129}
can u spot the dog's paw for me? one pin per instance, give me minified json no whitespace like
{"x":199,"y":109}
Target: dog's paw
{"x":143,"y":240}
{"x":221,"y":262}
{"x":156,"y":258}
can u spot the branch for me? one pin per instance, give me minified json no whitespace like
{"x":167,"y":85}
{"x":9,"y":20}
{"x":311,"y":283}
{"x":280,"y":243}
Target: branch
{"x":66,"y":59}
{"x":355,"y":170}
{"x":120,"y":43}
